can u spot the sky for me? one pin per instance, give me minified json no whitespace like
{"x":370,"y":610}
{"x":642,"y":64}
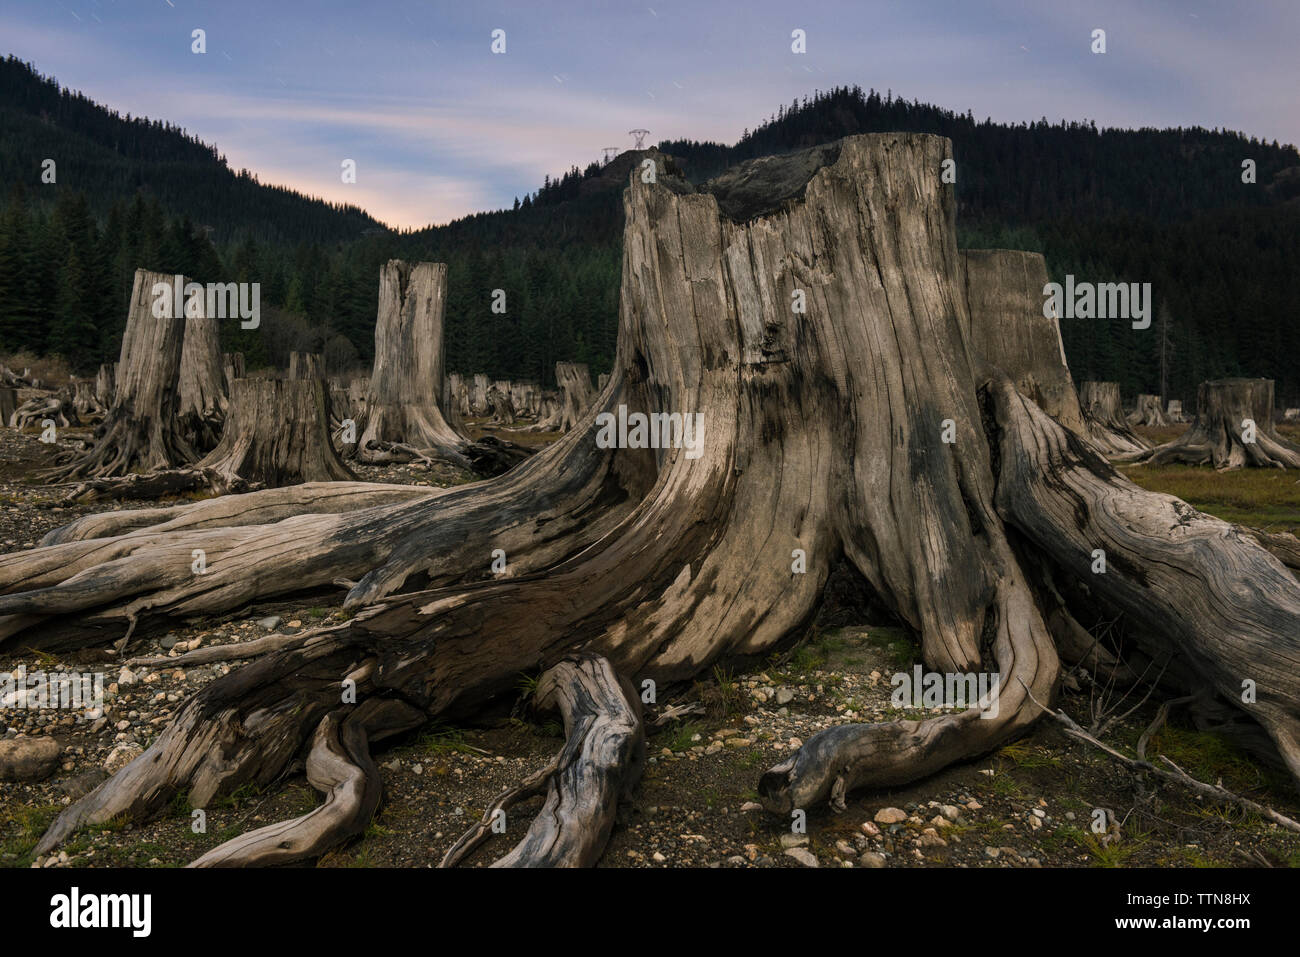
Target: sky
{"x":440,"y":126}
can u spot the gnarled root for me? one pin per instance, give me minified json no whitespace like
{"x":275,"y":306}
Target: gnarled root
{"x":600,"y":762}
{"x":340,"y":767}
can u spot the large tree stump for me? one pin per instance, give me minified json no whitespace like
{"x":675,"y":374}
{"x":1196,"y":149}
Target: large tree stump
{"x":406,"y":383}
{"x":1108,"y":430}
{"x":277,"y":434}
{"x":1148,"y":412}
{"x":201,"y":383}
{"x":861,"y":430}
{"x":1174,"y":413}
{"x":1233,"y":428}
{"x":143,"y":431}
{"x":1004,"y":297}
{"x":8,"y":404}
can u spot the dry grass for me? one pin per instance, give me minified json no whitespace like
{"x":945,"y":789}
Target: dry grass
{"x":52,"y":369}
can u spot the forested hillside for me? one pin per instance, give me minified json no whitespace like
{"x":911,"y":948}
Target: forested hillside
{"x":1162,"y":206}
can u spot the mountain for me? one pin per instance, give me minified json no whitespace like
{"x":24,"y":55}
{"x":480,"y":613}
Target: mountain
{"x":1167,"y":207}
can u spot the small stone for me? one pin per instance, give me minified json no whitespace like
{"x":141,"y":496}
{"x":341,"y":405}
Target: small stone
{"x":845,"y":849}
{"x":803,"y":856}
{"x":295,"y":623}
{"x":870,"y":859}
{"x":751,"y":806}
{"x":417,"y":768}
{"x":167,"y":642}
{"x":794,"y":840}
{"x":890,"y":815}
{"x":992,"y":853}
{"x":930,"y":838}
{"x":659,"y":858}
{"x":784,"y":696}
{"x":973,"y":805}
{"x":270,"y":624}
{"x":870,"y":829}
{"x":126,"y":677}
{"x":950,"y":811}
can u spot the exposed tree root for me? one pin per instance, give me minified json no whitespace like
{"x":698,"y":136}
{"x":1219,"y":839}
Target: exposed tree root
{"x":600,"y":762}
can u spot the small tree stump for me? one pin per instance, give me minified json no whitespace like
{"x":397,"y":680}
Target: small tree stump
{"x":575,"y":388}
{"x":8,"y":403}
{"x":277,"y":433}
{"x":1148,"y":412}
{"x":201,"y":383}
{"x":1107,"y":428}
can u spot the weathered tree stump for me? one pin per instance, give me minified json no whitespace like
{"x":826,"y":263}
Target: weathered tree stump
{"x":503,"y":410}
{"x":8,"y":404}
{"x":277,"y":434}
{"x":478,"y":403}
{"x":306,"y":365}
{"x":39,"y":408}
{"x":201,"y":383}
{"x":232,"y":367}
{"x":406,"y":383}
{"x":1004,"y":297}
{"x":1107,"y":428}
{"x":865,"y":429}
{"x":1233,"y":428}
{"x":575,"y":391}
{"x":1174,"y":413}
{"x":143,"y":431}
{"x":104,"y":385}
{"x":84,"y":401}
{"x":1148,"y":412}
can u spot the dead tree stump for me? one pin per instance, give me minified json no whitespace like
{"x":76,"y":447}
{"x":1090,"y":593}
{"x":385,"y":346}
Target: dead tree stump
{"x":406,"y":383}
{"x":1108,"y":430}
{"x":1148,"y":412}
{"x":575,"y":391}
{"x":143,"y":431}
{"x":1233,"y":428}
{"x":1004,"y":297}
{"x":201,"y":383}
{"x":8,"y":404}
{"x":277,"y":434}
{"x":104,"y":387}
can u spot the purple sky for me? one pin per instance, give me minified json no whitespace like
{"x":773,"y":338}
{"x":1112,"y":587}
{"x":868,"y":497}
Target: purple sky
{"x":439,"y":126}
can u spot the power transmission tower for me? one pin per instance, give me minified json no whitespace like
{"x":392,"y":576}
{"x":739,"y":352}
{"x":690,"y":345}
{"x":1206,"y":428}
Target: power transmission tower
{"x":610,"y":153}
{"x":640,"y":138}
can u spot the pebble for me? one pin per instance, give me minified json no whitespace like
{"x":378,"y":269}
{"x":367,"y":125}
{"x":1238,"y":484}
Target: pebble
{"x":890,"y":815}
{"x":803,"y":856}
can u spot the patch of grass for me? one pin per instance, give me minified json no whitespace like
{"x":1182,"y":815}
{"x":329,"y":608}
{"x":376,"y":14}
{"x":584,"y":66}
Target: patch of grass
{"x":1025,"y":756}
{"x":680,"y":737}
{"x":728,"y":690}
{"x":900,"y":651}
{"x":441,"y":738}
{"x":21,"y":827}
